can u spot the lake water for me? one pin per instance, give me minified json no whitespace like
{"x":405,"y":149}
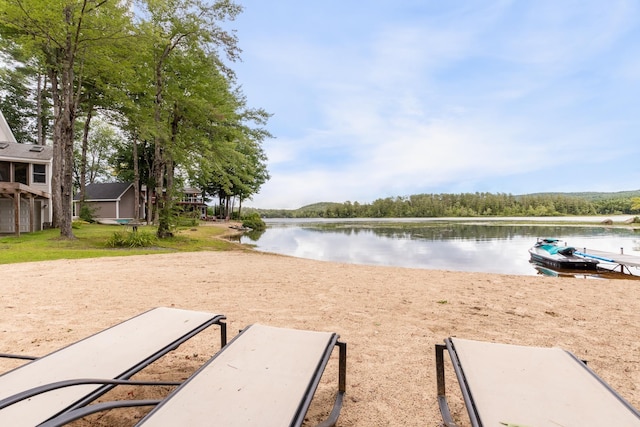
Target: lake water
{"x":496,"y":245}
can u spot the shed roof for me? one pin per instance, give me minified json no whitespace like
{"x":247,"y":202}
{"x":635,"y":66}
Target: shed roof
{"x":105,"y":191}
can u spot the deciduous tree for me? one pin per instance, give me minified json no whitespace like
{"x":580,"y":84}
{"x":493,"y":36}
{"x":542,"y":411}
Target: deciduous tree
{"x":61,"y":36}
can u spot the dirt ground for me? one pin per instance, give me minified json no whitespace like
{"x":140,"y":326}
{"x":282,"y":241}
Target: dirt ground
{"x":390,"y":318}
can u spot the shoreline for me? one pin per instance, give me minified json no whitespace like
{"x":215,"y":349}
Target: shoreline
{"x":390,"y":318}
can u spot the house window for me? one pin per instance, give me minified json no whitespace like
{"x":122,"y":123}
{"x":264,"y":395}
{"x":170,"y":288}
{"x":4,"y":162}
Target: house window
{"x":39,"y":174}
{"x":20,"y":173}
{"x":4,"y":172}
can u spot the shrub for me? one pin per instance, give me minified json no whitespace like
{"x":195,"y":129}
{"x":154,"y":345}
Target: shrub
{"x":185,"y":221}
{"x":87,"y":213}
{"x":131,"y":239}
{"x":254,"y":222}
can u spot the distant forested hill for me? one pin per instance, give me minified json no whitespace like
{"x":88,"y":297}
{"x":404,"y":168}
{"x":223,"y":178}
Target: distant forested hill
{"x":593,"y":196}
{"x":470,"y":205}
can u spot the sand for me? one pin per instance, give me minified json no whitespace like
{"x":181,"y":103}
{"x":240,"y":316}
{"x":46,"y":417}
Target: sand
{"x":390,"y":318}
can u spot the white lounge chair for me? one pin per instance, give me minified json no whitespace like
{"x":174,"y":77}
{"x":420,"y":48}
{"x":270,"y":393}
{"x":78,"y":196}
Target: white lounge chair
{"x":266,"y":377}
{"x":44,"y":387}
{"x":511,"y":385}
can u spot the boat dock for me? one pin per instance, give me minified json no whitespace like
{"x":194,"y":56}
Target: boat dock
{"x":619,"y":261}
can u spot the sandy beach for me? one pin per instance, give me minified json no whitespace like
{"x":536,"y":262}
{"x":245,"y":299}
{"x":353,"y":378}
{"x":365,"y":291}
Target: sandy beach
{"x":390,"y":319}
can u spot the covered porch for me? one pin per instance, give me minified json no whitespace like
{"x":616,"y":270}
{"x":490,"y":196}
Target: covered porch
{"x":27,"y":205}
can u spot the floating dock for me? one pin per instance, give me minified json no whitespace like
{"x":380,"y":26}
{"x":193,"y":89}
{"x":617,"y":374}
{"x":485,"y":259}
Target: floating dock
{"x":619,"y":261}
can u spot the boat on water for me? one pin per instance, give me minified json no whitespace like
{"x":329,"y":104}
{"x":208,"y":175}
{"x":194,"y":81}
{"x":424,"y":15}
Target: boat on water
{"x":551,"y":253}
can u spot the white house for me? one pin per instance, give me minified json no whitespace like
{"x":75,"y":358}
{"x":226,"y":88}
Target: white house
{"x":25,"y":184}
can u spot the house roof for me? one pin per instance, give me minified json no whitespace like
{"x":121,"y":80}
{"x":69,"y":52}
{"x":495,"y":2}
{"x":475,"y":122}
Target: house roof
{"x":5,"y":130}
{"x":191,"y":190}
{"x":11,"y":151}
{"x":105,"y":191}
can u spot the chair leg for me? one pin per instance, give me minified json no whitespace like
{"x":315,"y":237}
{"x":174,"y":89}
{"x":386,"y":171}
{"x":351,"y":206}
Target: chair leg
{"x":342,"y":386}
{"x":442,"y":398}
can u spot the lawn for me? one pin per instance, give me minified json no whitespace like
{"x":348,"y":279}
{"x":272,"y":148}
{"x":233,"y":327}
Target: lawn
{"x":92,"y":241}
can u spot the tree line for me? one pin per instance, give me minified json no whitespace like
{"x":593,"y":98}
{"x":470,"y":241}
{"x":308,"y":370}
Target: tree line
{"x":132,"y":90}
{"x":467,"y":205}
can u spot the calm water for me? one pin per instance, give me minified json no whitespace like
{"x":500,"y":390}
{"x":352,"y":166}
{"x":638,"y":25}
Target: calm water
{"x":493,"y":246}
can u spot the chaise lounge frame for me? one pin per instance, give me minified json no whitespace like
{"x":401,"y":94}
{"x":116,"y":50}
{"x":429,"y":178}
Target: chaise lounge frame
{"x":57,"y":383}
{"x":265,"y":372}
{"x":265,"y":376}
{"x":515,"y":385}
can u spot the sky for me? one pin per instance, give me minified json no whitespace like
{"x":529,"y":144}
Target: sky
{"x":375,"y":99}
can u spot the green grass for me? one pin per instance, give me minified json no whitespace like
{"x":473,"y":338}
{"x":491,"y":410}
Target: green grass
{"x":92,"y":242}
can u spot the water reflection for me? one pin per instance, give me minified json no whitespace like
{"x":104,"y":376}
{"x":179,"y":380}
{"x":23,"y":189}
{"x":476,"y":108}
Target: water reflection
{"x":449,"y":245}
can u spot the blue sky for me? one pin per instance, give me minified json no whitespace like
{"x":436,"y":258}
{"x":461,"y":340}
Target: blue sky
{"x":389,"y":98}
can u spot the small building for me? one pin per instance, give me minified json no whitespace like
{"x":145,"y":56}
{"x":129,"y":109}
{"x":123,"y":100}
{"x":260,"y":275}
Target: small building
{"x":25,"y":184}
{"x":115,"y":202}
{"x":111,"y":202}
{"x":191,"y":200}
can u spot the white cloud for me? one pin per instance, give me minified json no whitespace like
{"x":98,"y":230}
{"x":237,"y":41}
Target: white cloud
{"x":469,"y":99}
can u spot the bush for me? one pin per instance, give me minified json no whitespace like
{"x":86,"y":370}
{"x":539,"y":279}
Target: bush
{"x":185,"y":221}
{"x":87,"y":213}
{"x":254,"y":222}
{"x":185,"y":218}
{"x":131,"y":239}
